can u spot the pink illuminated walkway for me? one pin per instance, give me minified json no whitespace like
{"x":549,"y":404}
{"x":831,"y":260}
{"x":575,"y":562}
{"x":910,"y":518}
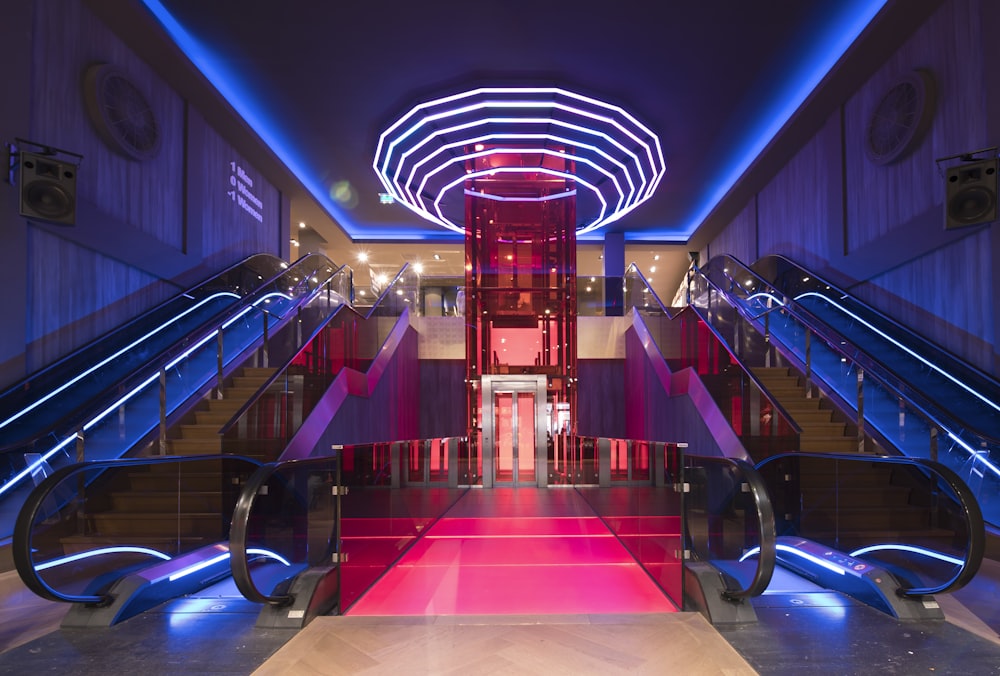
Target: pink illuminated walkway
{"x":507,"y":551}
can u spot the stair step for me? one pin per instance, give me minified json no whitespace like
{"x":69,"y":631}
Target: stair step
{"x":199,"y":431}
{"x":194,"y":446}
{"x":151,"y":524}
{"x":161,"y":502}
{"x":188,"y":480}
{"x":167,"y":545}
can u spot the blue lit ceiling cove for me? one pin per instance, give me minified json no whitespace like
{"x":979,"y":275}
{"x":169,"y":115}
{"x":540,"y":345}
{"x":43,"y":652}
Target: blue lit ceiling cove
{"x":422,"y":159}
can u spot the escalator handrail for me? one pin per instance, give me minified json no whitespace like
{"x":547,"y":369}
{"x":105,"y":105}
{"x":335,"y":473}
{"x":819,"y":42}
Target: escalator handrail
{"x":912,"y":337}
{"x":71,"y":421}
{"x":976,"y":541}
{"x":21,"y":547}
{"x":767,"y":534}
{"x":239,"y":528}
{"x":634,"y":267}
{"x":928,"y":409}
{"x":132,"y":322}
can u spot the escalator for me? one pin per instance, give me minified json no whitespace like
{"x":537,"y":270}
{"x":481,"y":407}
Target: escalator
{"x":888,"y":531}
{"x":114,"y":394}
{"x":118,"y":537}
{"x":906,"y":394}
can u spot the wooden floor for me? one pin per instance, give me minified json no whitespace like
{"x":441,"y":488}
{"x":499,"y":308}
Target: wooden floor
{"x":681,"y":643}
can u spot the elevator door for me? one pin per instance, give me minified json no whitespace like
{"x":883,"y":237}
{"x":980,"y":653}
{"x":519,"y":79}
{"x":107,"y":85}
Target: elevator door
{"x":514,"y":446}
{"x":513,"y":430}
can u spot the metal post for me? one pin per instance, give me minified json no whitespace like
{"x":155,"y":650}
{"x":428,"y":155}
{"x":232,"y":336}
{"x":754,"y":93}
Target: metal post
{"x":218,"y":360}
{"x":79,"y":445}
{"x":934,"y":443}
{"x":453,"y":462}
{"x":265,"y":364}
{"x":163,"y":412}
{"x":861,"y":410}
{"x":809,"y":392}
{"x":604,"y":462}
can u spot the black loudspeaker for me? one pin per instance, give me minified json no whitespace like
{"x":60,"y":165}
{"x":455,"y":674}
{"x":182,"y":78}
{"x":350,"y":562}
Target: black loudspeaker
{"x":48,"y":188}
{"x":971,"y":194}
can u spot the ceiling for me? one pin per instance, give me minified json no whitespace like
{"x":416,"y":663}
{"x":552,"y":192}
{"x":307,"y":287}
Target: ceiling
{"x":715,"y":80}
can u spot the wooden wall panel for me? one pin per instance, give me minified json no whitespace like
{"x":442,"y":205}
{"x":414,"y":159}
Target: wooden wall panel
{"x":147,"y":195}
{"x":882,"y":198}
{"x":442,"y":400}
{"x":879,"y":230}
{"x":74,"y":295}
{"x":946,"y":297}
{"x":799,"y":208}
{"x":738,"y":239}
{"x":134,"y":243}
{"x":601,"y":397}
{"x":221,"y":180}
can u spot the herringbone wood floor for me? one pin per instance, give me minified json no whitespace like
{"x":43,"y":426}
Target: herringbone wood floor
{"x":676,"y":643}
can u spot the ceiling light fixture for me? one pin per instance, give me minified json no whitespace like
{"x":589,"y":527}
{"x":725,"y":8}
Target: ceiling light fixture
{"x":615,"y":157}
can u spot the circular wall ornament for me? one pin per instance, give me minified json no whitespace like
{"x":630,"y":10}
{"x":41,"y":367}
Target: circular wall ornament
{"x":899,"y":118}
{"x":120,"y":112}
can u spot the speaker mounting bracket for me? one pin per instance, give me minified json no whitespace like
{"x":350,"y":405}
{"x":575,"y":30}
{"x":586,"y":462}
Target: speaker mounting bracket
{"x":971,"y":156}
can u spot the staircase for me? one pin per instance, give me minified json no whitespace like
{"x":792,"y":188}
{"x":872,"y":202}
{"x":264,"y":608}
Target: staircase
{"x":848,"y":503}
{"x":202,"y":436}
{"x":171,"y":508}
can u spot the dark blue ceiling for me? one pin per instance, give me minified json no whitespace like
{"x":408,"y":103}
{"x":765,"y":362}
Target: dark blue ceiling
{"x":319,"y":81}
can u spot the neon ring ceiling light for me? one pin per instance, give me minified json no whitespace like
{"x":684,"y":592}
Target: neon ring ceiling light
{"x":421,"y":158}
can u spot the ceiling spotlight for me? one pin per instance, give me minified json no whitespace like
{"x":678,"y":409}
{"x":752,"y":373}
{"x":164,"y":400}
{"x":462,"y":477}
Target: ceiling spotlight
{"x":652,"y":268}
{"x":418,"y":268}
{"x":295,"y":242}
{"x":437,"y":257}
{"x":656,"y":257}
{"x":302,"y":225}
{"x":363,"y":256}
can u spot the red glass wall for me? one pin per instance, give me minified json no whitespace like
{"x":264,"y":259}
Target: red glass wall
{"x":520,"y":255}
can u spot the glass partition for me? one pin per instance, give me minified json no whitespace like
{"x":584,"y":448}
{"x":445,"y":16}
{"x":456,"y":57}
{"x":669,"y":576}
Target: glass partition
{"x":729,"y":522}
{"x":346,"y":509}
{"x":308,"y":355}
{"x":724,"y":351}
{"x":135,"y":410}
{"x":915,"y":518}
{"x":33,"y":405}
{"x":903,"y":394}
{"x":646,"y":518}
{"x":90,"y":524}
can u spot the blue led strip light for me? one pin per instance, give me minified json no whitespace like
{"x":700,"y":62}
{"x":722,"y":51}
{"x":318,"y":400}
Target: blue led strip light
{"x":610,"y":147}
{"x":905,"y":349}
{"x":792,"y":550}
{"x":977,"y":455}
{"x":126,"y":549}
{"x":17,"y":478}
{"x":107,"y":360}
{"x":930,"y":553}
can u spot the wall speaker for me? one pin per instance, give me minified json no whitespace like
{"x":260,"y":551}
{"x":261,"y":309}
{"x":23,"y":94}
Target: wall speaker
{"x":48,"y":188}
{"x":971,"y":194}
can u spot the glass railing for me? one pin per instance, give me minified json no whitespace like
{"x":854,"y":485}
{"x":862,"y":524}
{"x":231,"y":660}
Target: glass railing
{"x":914,"y":518}
{"x":855,"y":364}
{"x":728,"y":513}
{"x":724,"y":353}
{"x":45,"y":399}
{"x":90,"y":525}
{"x":136,"y":410}
{"x":40,"y":400}
{"x":348,"y":510}
{"x":327,"y":337}
{"x":644,"y":514}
